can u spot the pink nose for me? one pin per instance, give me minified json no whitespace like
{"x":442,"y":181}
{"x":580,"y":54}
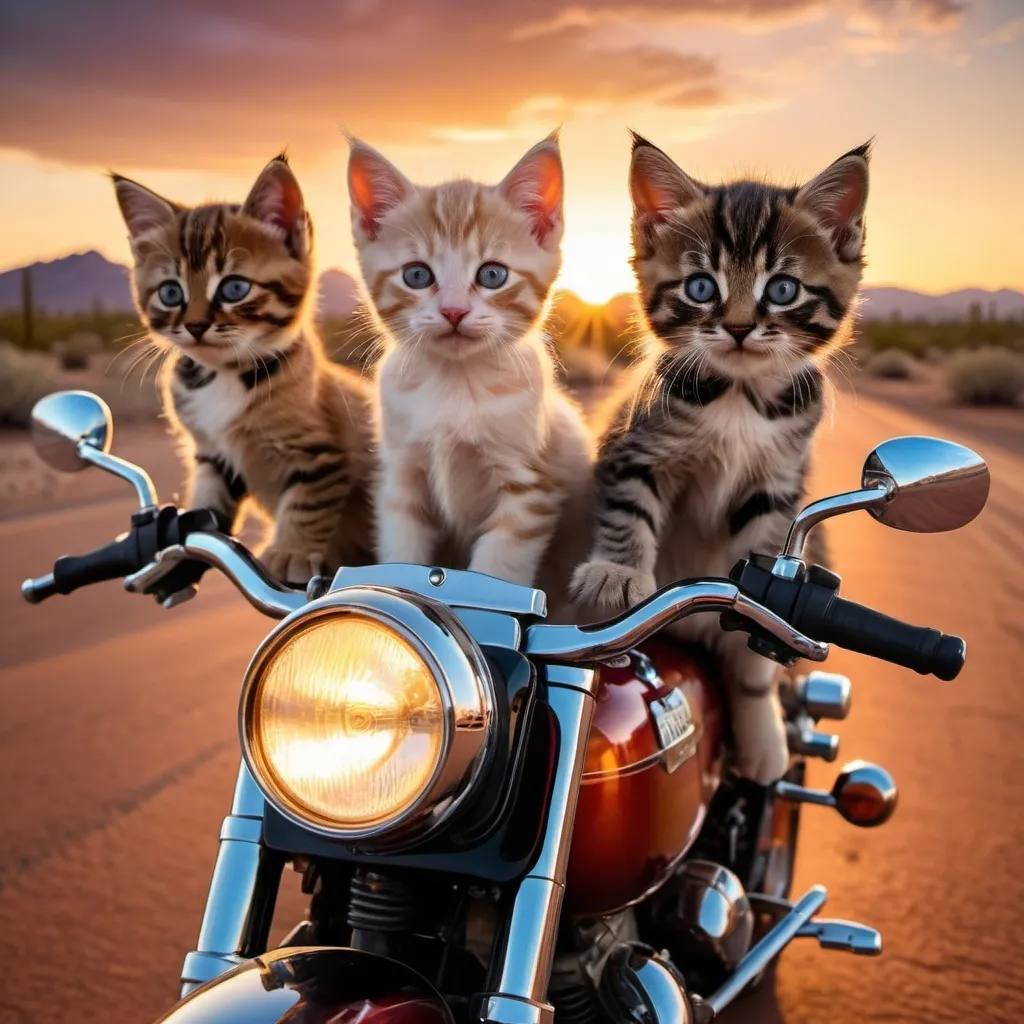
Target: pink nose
{"x":453,"y":316}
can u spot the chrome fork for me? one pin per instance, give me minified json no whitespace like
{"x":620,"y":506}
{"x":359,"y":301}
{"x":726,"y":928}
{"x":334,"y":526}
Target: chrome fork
{"x":522,"y":958}
{"x":243,"y":890}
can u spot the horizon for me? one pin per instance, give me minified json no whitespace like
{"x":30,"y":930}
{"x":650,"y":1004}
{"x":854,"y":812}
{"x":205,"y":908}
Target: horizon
{"x":776,"y":89}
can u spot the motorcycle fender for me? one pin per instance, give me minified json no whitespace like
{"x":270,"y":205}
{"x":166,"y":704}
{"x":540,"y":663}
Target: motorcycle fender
{"x":314,"y":985}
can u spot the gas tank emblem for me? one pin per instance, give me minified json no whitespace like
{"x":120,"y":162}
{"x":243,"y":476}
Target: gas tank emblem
{"x":674,"y":727}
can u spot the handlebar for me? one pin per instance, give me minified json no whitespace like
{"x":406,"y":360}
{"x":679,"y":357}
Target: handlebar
{"x":813,"y":606}
{"x":167,"y":551}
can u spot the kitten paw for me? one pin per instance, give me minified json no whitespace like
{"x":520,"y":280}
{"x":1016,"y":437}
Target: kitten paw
{"x":762,"y":752}
{"x":293,"y":565}
{"x":611,"y":586}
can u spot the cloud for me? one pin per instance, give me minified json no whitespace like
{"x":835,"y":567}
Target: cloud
{"x":116,"y":81}
{"x":120,"y":82}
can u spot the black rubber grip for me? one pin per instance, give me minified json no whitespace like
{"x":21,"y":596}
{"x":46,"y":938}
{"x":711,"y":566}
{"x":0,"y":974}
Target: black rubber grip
{"x":110,"y":562}
{"x":857,"y":628}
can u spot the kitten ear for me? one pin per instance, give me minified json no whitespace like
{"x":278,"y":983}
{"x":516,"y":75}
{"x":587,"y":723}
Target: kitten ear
{"x":375,"y":186}
{"x":276,"y":198}
{"x":657,"y":184}
{"x":535,"y":186}
{"x":143,"y":211}
{"x":837,"y":198}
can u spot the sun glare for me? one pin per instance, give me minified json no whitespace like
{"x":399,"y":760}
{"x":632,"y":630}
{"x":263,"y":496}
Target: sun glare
{"x":595,"y":263}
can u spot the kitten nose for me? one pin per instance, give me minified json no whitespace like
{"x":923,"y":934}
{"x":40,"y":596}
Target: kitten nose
{"x":453,"y":315}
{"x":739,"y":331}
{"x":197,"y":328}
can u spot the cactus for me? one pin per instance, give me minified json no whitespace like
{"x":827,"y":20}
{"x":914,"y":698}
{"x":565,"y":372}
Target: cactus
{"x":27,"y":309}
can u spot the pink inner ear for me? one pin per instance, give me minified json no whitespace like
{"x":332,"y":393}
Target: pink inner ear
{"x":849,"y":197}
{"x":278,"y":202}
{"x":535,"y":187}
{"x":375,"y":189}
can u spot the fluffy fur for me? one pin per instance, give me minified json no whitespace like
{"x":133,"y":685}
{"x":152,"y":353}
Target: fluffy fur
{"x":260,"y":412}
{"x":482,"y":454}
{"x":708,"y":464}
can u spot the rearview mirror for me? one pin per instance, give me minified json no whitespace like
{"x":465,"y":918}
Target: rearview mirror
{"x":933,"y":485}
{"x":64,"y":421}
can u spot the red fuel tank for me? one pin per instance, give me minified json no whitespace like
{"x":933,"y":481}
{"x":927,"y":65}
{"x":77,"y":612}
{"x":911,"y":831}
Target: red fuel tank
{"x":652,"y":766}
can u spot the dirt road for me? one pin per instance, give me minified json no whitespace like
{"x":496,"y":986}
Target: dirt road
{"x":118,"y":752}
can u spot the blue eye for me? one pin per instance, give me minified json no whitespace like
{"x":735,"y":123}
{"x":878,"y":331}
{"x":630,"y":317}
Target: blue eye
{"x":418,"y":275}
{"x":492,"y":275}
{"x":171,"y":294}
{"x":701,"y":288}
{"x":782,"y":290}
{"x":233,"y":289}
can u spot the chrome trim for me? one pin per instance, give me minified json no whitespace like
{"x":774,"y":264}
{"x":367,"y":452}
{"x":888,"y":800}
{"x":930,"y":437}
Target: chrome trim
{"x":235,"y":561}
{"x":713,"y":907}
{"x":464,"y":685}
{"x":870,"y":497}
{"x":765,"y":951}
{"x":38,"y":589}
{"x":671,"y":757}
{"x":522,"y":958}
{"x":244,"y":878}
{"x":457,"y":588}
{"x":935,"y":485}
{"x":64,"y":420}
{"x":638,"y":985}
{"x":848,"y":936}
{"x":824,"y":695}
{"x":605,"y":640}
{"x":135,"y":475}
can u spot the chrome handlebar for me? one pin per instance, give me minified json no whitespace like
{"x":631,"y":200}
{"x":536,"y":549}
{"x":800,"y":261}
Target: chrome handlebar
{"x":603,"y":641}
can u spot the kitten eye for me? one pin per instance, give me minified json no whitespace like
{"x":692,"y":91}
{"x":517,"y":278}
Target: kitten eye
{"x":171,"y":294}
{"x":782,"y":290}
{"x":233,"y":289}
{"x":418,"y":275}
{"x":492,"y":275}
{"x":701,"y":288}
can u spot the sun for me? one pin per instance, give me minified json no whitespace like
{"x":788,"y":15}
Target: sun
{"x":595,"y":261}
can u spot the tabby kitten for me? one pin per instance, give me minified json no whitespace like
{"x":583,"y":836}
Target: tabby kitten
{"x":482,"y":455}
{"x":746,"y":288}
{"x":259,"y":410}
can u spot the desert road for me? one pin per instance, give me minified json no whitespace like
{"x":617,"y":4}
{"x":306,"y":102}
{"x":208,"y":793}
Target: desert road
{"x":118,"y":754}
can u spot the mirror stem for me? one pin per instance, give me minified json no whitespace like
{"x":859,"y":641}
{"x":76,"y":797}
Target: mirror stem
{"x":135,"y":475}
{"x":818,"y":511}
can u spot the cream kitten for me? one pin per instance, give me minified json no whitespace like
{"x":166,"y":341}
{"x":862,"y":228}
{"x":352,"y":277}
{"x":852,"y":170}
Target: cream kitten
{"x":482,"y":454}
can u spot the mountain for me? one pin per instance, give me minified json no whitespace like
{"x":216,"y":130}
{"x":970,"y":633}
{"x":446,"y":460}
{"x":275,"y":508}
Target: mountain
{"x":71,"y":284}
{"x":885,"y":303}
{"x":78,"y":283}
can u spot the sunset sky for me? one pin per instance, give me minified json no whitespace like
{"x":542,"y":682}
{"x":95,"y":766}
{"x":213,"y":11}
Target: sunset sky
{"x":193,"y":97}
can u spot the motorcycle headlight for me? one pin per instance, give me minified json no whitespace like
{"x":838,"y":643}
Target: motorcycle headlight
{"x":368,"y":715}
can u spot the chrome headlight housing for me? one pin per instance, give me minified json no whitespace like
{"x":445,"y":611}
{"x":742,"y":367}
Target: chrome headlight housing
{"x":368,"y":715}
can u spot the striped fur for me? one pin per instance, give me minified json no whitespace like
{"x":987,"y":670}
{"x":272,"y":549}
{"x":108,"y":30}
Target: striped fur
{"x":483,"y":456}
{"x":260,"y":413}
{"x":704,"y":460}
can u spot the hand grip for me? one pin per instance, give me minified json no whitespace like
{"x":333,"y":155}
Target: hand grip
{"x":110,"y":562}
{"x":866,"y":631}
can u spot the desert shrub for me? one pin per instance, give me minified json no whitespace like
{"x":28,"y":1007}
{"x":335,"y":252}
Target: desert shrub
{"x":891,"y":364}
{"x":934,"y":356}
{"x":988,"y":376}
{"x":25,"y":377}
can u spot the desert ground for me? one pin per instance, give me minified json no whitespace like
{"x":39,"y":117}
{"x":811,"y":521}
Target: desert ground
{"x":118,"y":753}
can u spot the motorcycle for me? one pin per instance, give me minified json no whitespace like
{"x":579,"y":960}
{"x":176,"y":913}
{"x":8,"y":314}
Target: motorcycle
{"x":506,"y":820}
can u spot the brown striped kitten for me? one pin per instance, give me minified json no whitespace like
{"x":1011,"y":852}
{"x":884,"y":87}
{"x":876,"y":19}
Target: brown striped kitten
{"x":259,"y":410}
{"x":746,"y":288}
{"x":482,"y":455}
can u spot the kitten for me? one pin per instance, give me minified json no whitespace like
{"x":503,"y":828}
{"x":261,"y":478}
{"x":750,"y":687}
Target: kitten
{"x":746,"y":288}
{"x":482,"y":454}
{"x":258,"y":408}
